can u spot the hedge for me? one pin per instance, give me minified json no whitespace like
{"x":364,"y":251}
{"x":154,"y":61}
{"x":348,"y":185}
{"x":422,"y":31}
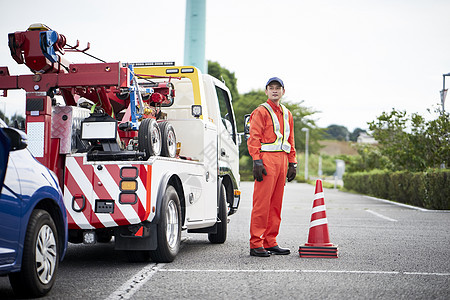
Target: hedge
{"x":429,"y":189}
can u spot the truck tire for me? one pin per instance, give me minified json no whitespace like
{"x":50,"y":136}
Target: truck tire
{"x":40,"y":257}
{"x":221,"y":236}
{"x":149,"y":138}
{"x":169,"y":228}
{"x":168,"y":139}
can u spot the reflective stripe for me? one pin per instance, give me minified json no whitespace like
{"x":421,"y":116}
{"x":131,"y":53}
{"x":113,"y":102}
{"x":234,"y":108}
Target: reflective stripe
{"x":318,"y":209}
{"x":319,"y":196}
{"x":281,"y":143}
{"x":318,"y":222}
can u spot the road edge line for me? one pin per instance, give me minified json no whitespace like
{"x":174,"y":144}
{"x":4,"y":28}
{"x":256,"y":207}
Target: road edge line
{"x":129,"y":288}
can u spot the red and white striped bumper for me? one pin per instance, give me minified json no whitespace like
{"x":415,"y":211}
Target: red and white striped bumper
{"x":98,"y":196}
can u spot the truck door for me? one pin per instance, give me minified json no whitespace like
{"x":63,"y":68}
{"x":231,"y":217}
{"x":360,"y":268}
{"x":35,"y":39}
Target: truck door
{"x":228,"y":148}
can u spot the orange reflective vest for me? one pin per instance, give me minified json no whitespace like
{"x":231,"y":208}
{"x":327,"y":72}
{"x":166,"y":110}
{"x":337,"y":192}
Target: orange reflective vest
{"x":271,"y":130}
{"x":281,"y":142}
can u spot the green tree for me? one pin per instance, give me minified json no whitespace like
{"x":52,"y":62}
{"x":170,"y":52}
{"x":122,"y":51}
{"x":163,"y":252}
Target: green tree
{"x":369,"y":158}
{"x":337,"y":132}
{"x":221,"y":73}
{"x":412,"y":143}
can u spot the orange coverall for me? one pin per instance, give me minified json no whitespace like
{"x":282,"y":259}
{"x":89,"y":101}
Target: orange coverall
{"x":268,"y":193}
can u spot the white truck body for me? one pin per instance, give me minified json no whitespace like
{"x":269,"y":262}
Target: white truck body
{"x":99,"y":202}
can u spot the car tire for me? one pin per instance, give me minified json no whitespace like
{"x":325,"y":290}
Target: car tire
{"x":168,"y":139}
{"x":40,"y":257}
{"x":168,"y":228}
{"x":149,"y":138}
{"x":221,"y":235}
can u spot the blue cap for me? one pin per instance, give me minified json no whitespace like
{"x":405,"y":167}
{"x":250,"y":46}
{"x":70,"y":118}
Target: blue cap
{"x":275,"y":79}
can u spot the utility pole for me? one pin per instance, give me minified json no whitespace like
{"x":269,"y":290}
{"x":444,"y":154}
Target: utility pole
{"x":444,"y":91}
{"x":306,"y":151}
{"x":195,"y":36}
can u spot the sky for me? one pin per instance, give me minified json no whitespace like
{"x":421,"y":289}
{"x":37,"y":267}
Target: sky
{"x":348,"y":60}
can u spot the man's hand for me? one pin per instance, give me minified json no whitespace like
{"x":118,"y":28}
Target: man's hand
{"x":258,"y":169}
{"x":292,"y":171}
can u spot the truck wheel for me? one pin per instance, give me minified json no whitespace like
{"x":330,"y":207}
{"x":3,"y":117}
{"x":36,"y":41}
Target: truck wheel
{"x":149,"y":138}
{"x":168,"y":228}
{"x":168,"y":139}
{"x":40,"y":257}
{"x":221,"y":236}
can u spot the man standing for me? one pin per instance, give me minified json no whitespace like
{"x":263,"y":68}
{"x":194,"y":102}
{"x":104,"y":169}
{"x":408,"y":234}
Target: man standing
{"x":271,"y":145}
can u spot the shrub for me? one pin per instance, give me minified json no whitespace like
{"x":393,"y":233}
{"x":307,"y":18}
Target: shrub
{"x":429,"y":189}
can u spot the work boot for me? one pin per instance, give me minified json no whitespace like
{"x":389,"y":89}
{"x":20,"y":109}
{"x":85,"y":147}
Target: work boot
{"x":261,"y":252}
{"x":278,"y":250}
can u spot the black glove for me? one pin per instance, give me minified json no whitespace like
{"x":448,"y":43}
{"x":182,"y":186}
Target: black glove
{"x":292,"y":171}
{"x":258,"y":170}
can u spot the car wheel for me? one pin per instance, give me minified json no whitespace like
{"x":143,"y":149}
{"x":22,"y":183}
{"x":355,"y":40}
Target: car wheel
{"x":40,"y":257}
{"x":221,"y":235}
{"x":168,"y":228}
{"x":149,"y":138}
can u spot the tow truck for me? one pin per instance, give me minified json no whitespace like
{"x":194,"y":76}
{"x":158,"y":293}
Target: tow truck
{"x":142,"y":150}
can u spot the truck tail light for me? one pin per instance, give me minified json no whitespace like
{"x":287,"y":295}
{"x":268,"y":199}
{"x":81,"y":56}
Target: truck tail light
{"x":128,"y":198}
{"x":128,"y":185}
{"x":129,"y":173}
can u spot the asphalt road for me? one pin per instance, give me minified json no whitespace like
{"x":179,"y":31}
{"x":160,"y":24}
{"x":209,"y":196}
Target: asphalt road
{"x":386,"y":251}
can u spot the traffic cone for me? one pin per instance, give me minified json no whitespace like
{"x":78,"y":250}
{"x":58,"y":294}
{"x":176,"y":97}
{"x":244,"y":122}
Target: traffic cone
{"x":318,"y":244}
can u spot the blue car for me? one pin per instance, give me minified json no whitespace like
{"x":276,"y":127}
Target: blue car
{"x":33,"y":219}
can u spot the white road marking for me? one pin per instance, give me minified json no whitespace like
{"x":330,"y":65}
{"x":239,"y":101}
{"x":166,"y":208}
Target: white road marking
{"x":396,"y":203}
{"x":129,"y":288}
{"x":380,"y":215}
{"x":303,"y":271}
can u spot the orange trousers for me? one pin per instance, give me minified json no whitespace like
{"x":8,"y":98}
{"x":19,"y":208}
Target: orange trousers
{"x":267,"y":201}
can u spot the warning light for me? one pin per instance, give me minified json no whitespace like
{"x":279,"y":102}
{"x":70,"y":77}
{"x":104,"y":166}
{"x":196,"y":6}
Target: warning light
{"x":128,"y":185}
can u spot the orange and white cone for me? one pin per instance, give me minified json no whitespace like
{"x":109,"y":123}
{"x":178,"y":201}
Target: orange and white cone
{"x":318,"y":244}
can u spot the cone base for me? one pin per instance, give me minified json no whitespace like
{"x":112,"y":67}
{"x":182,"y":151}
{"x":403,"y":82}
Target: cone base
{"x":318,"y":252}
{"x":318,"y":245}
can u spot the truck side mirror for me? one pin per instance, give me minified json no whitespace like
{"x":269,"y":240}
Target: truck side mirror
{"x":247,"y":126}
